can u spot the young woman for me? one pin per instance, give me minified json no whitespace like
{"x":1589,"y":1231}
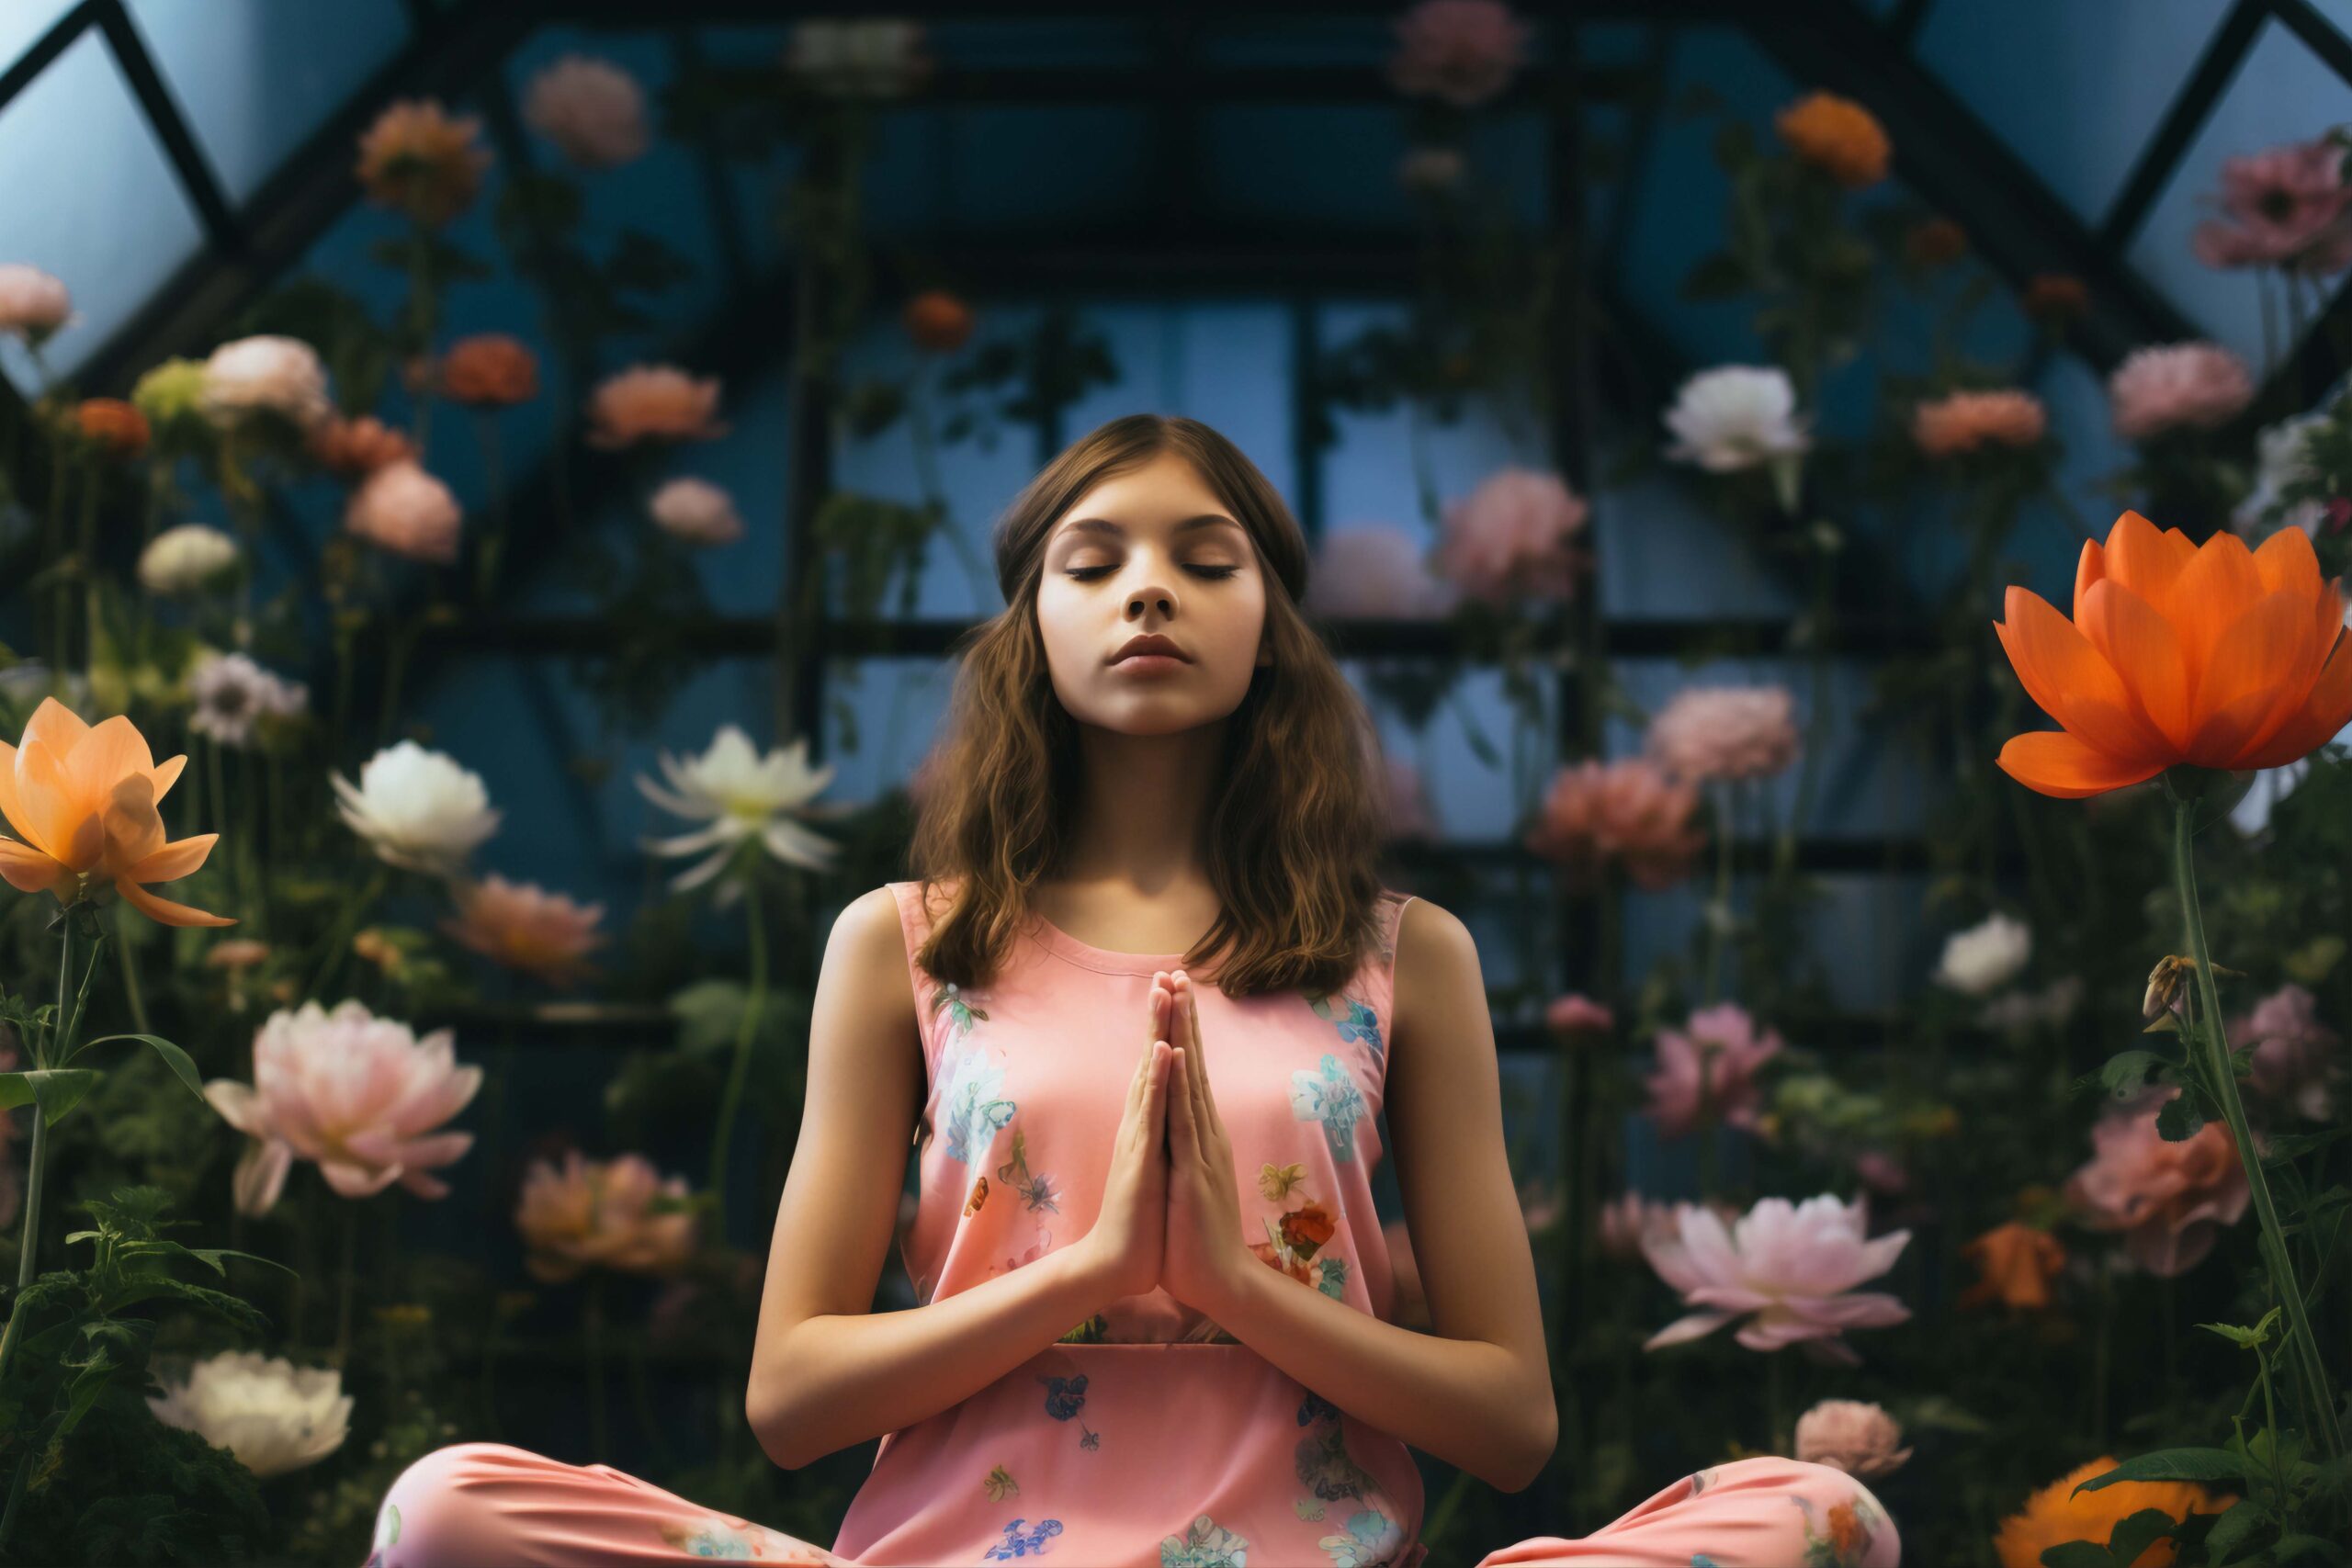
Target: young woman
{"x":1140,"y":1011}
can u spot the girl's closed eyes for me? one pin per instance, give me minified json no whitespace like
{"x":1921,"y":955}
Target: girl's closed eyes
{"x":1089,"y":573}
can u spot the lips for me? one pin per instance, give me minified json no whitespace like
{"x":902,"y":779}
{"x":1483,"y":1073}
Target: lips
{"x":1159,"y":646}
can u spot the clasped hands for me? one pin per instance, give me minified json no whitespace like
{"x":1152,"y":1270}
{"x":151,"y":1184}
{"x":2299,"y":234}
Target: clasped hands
{"x":1171,"y":1208}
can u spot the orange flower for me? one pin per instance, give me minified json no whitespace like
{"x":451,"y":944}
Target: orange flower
{"x":352,"y":447}
{"x":489,"y":369}
{"x":2050,"y":1517}
{"x":2055,"y":297}
{"x":525,"y":928}
{"x":1836,"y":135}
{"x":2017,"y":1262}
{"x":418,"y":159}
{"x":1306,"y":1230}
{"x":116,"y":427}
{"x":83,"y":798}
{"x":2213,"y":654}
{"x":938,"y":321}
{"x":1963,"y":422}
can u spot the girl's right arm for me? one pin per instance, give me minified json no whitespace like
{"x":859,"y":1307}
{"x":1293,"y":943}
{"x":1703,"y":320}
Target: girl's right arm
{"x":827,"y":1371}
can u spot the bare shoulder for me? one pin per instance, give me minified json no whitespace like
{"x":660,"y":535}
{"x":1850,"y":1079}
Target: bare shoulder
{"x":869,"y":947}
{"x":1437,"y":960}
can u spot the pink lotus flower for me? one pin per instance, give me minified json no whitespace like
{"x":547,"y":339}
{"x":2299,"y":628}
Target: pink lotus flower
{"x":1576,"y":1016}
{"x":401,"y":509}
{"x":659,"y":402}
{"x":523,"y":927}
{"x":1627,"y":811}
{"x":2294,"y":1052}
{"x":1462,"y":50}
{"x":1793,"y":1266}
{"x":1509,"y":538}
{"x":2167,"y":386}
{"x":1628,"y":1217}
{"x":1851,"y":1434}
{"x":1725,"y":732}
{"x":602,"y":1214}
{"x":1725,"y":1040}
{"x":360,"y":1095}
{"x":2168,"y":1199}
{"x":2285,"y":207}
{"x":1378,"y":570}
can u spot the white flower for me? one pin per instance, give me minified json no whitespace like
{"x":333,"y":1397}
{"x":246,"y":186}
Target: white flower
{"x":183,"y":559}
{"x":275,"y":1416}
{"x":231,"y":692}
{"x":877,"y":59}
{"x":741,"y":795}
{"x":1734,"y":417}
{"x":2282,"y":462}
{"x":281,"y":375}
{"x":592,"y":109}
{"x":33,"y":304}
{"x":417,"y":808}
{"x":1986,"y":957}
{"x":697,"y":512}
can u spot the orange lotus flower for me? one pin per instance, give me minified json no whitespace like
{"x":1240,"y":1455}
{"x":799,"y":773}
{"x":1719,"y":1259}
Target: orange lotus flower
{"x":83,"y":798}
{"x":2211,"y":655}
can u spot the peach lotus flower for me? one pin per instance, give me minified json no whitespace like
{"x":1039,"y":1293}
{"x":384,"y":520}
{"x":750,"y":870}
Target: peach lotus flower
{"x":1627,"y":811}
{"x":2286,"y":207}
{"x":353,"y":448}
{"x":1837,"y":136}
{"x":360,"y":1095}
{"x":1726,"y":1038}
{"x":1853,"y":1435}
{"x":1793,"y":1266}
{"x":2213,"y":654}
{"x":523,"y":927}
{"x":2165,"y":385}
{"x":81,"y":798}
{"x":418,"y":159}
{"x":2170,"y":1198}
{"x":490,"y":370}
{"x":2057,"y":1513}
{"x":599,"y":1215}
{"x":1965,"y":421}
{"x":653,"y":401}
{"x":2016,"y":1263}
{"x":1462,"y":50}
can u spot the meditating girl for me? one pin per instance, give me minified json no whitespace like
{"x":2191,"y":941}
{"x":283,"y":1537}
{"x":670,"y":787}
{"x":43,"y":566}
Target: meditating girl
{"x":1141,"y":1011}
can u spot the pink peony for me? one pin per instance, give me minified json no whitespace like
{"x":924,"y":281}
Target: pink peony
{"x":2293,"y":1052}
{"x":592,"y":109}
{"x":695,"y":511}
{"x":1578,"y":1017}
{"x":1594,"y":813}
{"x":33,"y":304}
{"x":266,"y":373}
{"x":1379,"y":570}
{"x":602,"y":1214}
{"x":1851,"y":1434}
{"x":1509,"y":538}
{"x":1462,"y":50}
{"x":2165,"y":385}
{"x":403,"y":510}
{"x":523,"y":927}
{"x":2168,"y":1199}
{"x":1725,"y":732}
{"x":1795,"y":1266}
{"x":1963,"y":422}
{"x":360,"y":1095}
{"x":2285,"y":207}
{"x":1725,"y":1039}
{"x":659,"y":402}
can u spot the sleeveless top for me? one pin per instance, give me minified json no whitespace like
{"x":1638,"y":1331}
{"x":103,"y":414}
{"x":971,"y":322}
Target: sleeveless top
{"x":1149,"y":1435}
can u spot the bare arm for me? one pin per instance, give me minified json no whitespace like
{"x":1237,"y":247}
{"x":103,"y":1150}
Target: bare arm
{"x":827,"y":1371}
{"x":1477,"y":1394}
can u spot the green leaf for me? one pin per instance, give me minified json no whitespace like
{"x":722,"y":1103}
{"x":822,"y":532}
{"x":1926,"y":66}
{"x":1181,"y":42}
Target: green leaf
{"x":176,"y":1059}
{"x":2237,"y":1522}
{"x":2135,"y":1534}
{"x":2172,"y":1464}
{"x":2076,"y":1554}
{"x":56,"y":1089}
{"x":2179,"y":1120}
{"x":2126,"y":1070}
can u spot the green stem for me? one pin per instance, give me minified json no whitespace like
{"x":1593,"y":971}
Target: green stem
{"x":61,"y":1051}
{"x":741,"y":1071}
{"x":2226,"y":1087}
{"x":593,"y":1316}
{"x":88,"y":561}
{"x":339,"y":939}
{"x":343,"y":1287}
{"x":130,"y":990}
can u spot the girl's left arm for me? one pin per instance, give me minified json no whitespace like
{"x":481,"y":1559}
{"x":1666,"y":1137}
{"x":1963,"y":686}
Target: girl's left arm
{"x":1477,"y":1392}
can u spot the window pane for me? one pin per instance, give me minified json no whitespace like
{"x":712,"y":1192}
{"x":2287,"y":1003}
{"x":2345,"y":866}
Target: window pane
{"x":22,"y":23}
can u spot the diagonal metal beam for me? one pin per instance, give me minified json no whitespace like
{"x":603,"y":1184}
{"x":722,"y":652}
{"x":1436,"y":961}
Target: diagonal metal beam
{"x":2223,"y":53}
{"x":196,"y":178}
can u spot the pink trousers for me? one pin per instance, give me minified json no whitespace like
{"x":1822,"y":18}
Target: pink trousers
{"x":494,"y":1506}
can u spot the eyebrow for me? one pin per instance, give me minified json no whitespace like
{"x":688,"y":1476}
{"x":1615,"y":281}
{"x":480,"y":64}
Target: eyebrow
{"x":1104,"y":526}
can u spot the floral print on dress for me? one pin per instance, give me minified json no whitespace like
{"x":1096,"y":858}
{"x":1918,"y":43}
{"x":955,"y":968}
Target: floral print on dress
{"x":1843,"y":1538}
{"x":1020,"y":1543}
{"x":976,"y":1112}
{"x":1331,"y":1098}
{"x":1291,"y":1242}
{"x":999,"y":1484}
{"x":952,"y":999}
{"x":1354,"y":1018}
{"x":1064,"y":1396}
{"x":1369,"y":1539}
{"x":715,"y":1537}
{"x":388,"y":1533}
{"x":1207,"y":1544}
{"x":1036,"y":1191}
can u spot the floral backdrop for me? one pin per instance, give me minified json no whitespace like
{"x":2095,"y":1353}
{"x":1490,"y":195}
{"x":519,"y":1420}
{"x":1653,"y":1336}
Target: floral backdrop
{"x":2055,"y":1262}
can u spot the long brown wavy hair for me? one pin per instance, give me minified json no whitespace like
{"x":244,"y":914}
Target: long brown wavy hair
{"x":1296,"y":829}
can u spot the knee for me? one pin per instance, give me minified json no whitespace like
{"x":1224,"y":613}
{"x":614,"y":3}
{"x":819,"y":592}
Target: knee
{"x":1848,"y":1515}
{"x":446,"y":1510}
